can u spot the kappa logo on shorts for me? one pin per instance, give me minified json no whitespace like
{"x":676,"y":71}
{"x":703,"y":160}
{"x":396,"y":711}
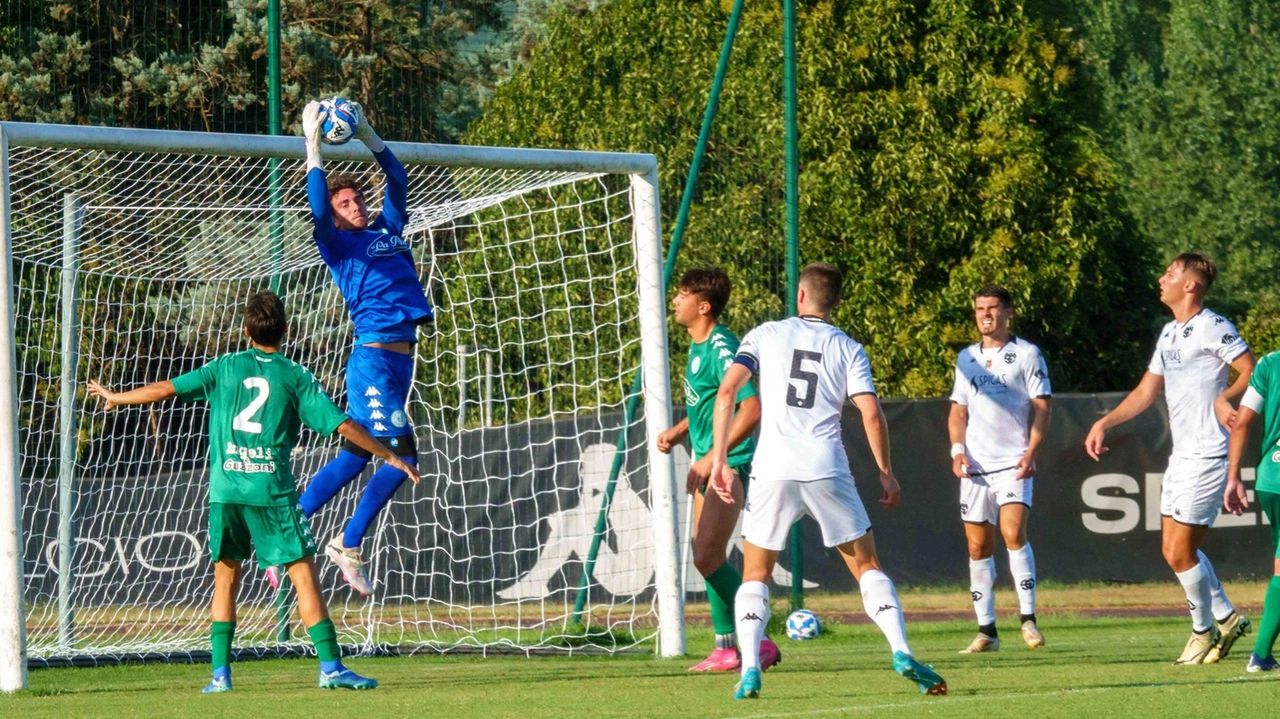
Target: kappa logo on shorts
{"x":884,"y":607}
{"x":977,"y":596}
{"x":750,"y":617}
{"x":1177,"y":512}
{"x":1027,"y":584}
{"x":964,"y":506}
{"x":1010,"y":495}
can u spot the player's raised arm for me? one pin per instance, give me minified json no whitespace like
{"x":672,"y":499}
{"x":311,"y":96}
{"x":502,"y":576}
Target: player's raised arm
{"x":317,"y":184}
{"x":155,"y":392}
{"x":735,"y":378}
{"x":395,"y":206}
{"x":1134,"y":404}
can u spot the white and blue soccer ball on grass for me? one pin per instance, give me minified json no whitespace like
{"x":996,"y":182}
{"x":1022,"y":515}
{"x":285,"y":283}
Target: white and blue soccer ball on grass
{"x":342,"y":119}
{"x":803,"y":624}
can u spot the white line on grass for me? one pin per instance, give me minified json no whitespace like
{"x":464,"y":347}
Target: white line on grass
{"x":940,"y":702}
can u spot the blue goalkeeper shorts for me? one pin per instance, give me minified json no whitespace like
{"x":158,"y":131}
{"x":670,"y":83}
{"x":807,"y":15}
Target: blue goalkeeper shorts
{"x":378,"y":383}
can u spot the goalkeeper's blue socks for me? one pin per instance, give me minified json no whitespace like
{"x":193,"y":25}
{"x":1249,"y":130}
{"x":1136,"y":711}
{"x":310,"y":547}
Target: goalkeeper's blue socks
{"x":330,"y":480}
{"x":376,"y":495}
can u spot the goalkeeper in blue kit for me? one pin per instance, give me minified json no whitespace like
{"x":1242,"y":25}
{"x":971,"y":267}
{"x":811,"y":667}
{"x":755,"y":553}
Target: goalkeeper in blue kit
{"x":374,"y":270}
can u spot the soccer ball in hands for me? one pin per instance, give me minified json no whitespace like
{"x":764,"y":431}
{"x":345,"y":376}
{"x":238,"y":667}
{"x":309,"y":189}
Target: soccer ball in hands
{"x":342,"y":119}
{"x":803,"y":624}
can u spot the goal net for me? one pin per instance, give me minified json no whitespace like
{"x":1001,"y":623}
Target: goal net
{"x":132,"y":255}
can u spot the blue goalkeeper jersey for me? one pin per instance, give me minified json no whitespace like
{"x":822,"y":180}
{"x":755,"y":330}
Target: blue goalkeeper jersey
{"x":374,"y":267}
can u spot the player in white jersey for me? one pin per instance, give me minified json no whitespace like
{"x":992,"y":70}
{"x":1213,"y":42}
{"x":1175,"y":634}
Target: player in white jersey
{"x":1190,"y":364}
{"x":999,"y":381}
{"x":807,"y":369}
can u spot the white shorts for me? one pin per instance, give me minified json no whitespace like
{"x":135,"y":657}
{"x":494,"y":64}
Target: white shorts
{"x":774,"y":505}
{"x":1191,"y":491}
{"x":982,"y":496}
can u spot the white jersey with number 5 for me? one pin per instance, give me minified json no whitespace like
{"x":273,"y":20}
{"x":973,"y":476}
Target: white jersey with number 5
{"x":1193,"y":358}
{"x":807,"y":369}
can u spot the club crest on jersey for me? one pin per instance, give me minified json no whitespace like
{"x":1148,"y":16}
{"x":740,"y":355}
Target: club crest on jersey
{"x":1010,"y":357}
{"x":399,"y":419}
{"x":695,"y":365}
{"x":386,"y":246}
{"x":1186,"y":332}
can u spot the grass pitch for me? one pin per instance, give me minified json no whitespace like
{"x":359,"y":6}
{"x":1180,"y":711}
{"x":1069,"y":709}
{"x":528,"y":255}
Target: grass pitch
{"x":1090,"y":668}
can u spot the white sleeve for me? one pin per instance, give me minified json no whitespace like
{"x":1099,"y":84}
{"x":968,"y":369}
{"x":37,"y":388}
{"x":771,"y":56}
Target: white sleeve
{"x":1037,"y":376}
{"x":858,"y":380}
{"x":1224,"y":342}
{"x":1157,"y":364}
{"x":960,"y":389}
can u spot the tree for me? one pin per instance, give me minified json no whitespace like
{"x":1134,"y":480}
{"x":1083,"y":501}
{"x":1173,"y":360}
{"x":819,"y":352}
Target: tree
{"x":943,"y":145}
{"x":1191,"y":113}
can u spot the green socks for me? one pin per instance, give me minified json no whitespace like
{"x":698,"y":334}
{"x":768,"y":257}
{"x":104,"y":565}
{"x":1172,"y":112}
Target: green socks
{"x":1270,"y":625}
{"x":325,"y":637}
{"x":722,"y":588}
{"x":220,"y":637}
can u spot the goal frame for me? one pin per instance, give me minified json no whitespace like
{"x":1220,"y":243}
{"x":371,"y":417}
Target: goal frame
{"x":642,"y":170}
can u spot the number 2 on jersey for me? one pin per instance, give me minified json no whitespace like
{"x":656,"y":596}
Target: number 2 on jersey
{"x":810,"y":379}
{"x":244,"y":421}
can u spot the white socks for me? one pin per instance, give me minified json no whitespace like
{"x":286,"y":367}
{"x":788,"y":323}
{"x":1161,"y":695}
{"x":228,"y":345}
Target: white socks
{"x":752,"y":609}
{"x":880,"y":600}
{"x":1022,"y":565}
{"x":1222,"y":607}
{"x":1199,"y":599}
{"x":982,"y":583}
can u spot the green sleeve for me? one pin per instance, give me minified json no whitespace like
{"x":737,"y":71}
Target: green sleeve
{"x":1260,"y":379}
{"x":723,"y":364}
{"x":315,"y":409}
{"x":197,"y":384}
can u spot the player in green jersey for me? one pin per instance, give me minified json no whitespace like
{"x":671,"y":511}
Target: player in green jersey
{"x":699,"y":301}
{"x":258,"y":402}
{"x":1261,"y":398}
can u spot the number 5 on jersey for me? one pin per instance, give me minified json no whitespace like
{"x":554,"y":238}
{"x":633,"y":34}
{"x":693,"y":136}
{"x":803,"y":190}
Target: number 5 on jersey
{"x":810,"y":379}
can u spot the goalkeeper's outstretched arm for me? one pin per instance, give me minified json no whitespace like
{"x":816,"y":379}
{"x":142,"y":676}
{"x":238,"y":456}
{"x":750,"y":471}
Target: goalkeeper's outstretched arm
{"x":394,"y":208}
{"x":317,"y":185}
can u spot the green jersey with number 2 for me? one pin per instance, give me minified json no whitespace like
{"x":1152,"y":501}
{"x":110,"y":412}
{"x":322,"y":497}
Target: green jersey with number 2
{"x":258,"y":402}
{"x":707,"y":364}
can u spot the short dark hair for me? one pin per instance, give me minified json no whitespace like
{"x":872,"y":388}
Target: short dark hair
{"x":822,"y":280}
{"x":1197,"y":264}
{"x":264,"y":318}
{"x":709,"y":283}
{"x":996,"y":291}
{"x":339,"y":181}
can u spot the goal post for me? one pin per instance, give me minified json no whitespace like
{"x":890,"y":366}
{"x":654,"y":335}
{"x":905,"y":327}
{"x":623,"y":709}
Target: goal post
{"x":546,"y":270}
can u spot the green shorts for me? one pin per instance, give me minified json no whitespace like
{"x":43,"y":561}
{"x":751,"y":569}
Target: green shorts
{"x":279,"y":534}
{"x":1270,"y":503}
{"x":744,"y":473}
